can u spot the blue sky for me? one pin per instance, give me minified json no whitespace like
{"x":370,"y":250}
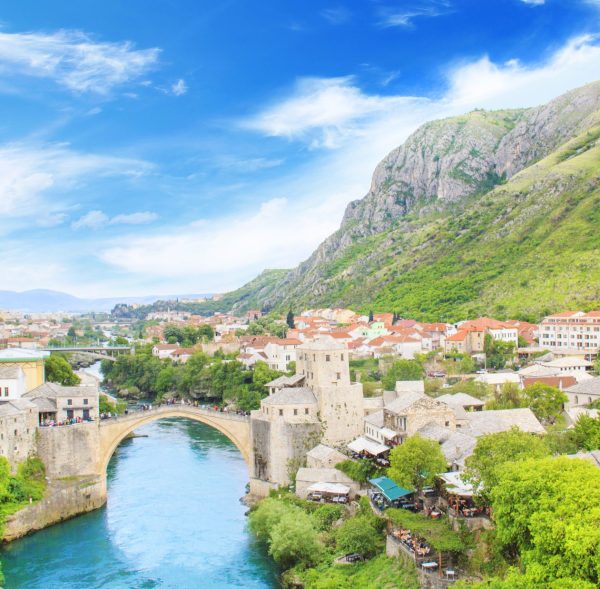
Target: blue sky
{"x":183,"y":146}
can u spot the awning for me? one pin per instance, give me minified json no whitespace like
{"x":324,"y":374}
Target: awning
{"x":363,"y":445}
{"x":333,"y":488}
{"x":455,"y":485}
{"x":388,"y":434}
{"x":390,"y":490}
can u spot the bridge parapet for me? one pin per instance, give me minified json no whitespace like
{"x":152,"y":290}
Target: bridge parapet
{"x":133,"y":416}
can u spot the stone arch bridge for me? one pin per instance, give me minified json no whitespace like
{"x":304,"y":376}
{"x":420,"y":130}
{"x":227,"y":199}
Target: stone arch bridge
{"x":114,"y":430}
{"x":83,"y":450}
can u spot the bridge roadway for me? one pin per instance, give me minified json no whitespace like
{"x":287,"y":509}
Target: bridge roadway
{"x":87,"y":348}
{"x":114,"y":429}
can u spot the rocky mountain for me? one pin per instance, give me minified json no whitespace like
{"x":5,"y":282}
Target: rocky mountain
{"x":493,"y":212}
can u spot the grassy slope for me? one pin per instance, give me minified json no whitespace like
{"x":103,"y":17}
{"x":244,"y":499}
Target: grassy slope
{"x":528,"y":247}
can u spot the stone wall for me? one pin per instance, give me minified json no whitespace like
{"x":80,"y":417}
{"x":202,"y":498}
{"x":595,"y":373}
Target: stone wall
{"x":64,"y":499}
{"x":69,"y":450}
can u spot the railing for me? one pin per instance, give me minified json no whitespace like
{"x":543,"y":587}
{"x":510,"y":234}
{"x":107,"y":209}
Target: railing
{"x":169,"y":408}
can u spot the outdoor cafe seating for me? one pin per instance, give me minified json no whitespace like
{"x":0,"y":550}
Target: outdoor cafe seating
{"x":328,"y":493}
{"x":386,"y":493}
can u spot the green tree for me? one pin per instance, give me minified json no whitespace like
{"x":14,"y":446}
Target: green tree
{"x":545,"y":401}
{"x":263,"y":519}
{"x":415,"y":463}
{"x":290,"y":319}
{"x":546,"y":513}
{"x":71,"y":332}
{"x":59,"y":370}
{"x":509,"y":396}
{"x":294,"y":540}
{"x":492,"y":451}
{"x":402,"y":370}
{"x":166,"y":380}
{"x":498,"y":353}
{"x":358,"y":534}
{"x":586,"y":432}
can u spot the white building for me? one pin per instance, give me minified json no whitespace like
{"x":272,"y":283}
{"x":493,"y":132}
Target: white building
{"x":12,"y":383}
{"x":571,"y":333}
{"x":281,"y":352}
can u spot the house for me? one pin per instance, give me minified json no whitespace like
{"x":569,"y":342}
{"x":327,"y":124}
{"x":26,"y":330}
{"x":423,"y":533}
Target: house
{"x":583,"y":393}
{"x":322,"y":456}
{"x":57,"y":403}
{"x":182,"y":355}
{"x":500,"y":420}
{"x":568,"y":365}
{"x":249,"y":359}
{"x":12,"y":383}
{"x":309,"y":478}
{"x":467,"y":402}
{"x":163,"y":351}
{"x":281,"y":352}
{"x":470,"y":335}
{"x":30,"y":361}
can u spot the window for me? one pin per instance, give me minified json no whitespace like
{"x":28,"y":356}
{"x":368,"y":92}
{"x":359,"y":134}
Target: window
{"x":85,"y":401}
{"x":15,"y":432}
{"x":339,"y":375}
{"x":447,"y":423}
{"x":281,"y":412}
{"x":327,"y":358}
{"x":306,"y":411}
{"x":342,"y":357}
{"x":295,"y":411}
{"x":6,"y":391}
{"x":69,"y":413}
{"x":69,"y":401}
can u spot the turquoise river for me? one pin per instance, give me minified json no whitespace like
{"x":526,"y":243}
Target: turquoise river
{"x":173,"y":520}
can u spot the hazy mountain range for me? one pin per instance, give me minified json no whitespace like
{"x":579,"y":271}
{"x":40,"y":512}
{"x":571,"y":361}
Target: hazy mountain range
{"x":41,"y":300}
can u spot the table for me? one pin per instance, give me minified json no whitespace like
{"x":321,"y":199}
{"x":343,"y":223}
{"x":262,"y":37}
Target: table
{"x":430,"y":566}
{"x":450,"y":574}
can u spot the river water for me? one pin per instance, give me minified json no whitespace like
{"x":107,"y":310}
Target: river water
{"x":173,"y":520}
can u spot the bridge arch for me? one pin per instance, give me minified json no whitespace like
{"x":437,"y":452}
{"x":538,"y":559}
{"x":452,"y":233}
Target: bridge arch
{"x":113,"y":431}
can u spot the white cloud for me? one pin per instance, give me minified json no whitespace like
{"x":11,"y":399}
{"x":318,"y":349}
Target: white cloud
{"x":91,"y":220}
{"x":534,"y":2}
{"x":179,"y":88}
{"x":96,"y":219}
{"x":29,"y":172}
{"x":404,"y":16}
{"x":74,"y":60}
{"x":328,"y":106}
{"x":304,"y":207}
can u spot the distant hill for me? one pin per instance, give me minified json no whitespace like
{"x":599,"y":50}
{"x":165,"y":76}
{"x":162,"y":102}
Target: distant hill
{"x":487,"y":213}
{"x":40,"y":300}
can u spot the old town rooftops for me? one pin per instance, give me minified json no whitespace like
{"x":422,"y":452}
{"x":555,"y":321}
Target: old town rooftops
{"x":53,"y":390}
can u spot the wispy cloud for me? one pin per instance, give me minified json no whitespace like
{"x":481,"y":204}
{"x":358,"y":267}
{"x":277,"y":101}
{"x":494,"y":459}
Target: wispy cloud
{"x":534,"y":2}
{"x":97,"y":219}
{"x":29,"y":172}
{"x":404,"y":16}
{"x":72,"y":59}
{"x":179,"y":88}
{"x":337,"y":15}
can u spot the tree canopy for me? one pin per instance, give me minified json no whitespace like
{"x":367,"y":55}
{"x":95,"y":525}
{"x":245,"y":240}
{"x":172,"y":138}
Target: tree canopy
{"x":402,"y":370}
{"x":494,"y":450}
{"x":59,"y":370}
{"x":548,"y":512}
{"x":545,"y":401}
{"x":415,"y":463}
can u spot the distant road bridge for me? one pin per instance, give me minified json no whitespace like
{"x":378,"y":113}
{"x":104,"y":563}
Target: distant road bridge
{"x":96,"y":352}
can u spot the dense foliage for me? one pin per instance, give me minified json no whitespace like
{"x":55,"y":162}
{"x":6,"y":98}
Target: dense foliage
{"x":188,"y":336}
{"x":59,"y":370}
{"x":359,"y":470}
{"x":415,"y":463}
{"x":492,"y":451}
{"x":204,"y":378}
{"x":402,"y":370}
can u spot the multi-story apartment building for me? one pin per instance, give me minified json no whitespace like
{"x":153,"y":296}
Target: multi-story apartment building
{"x":572,"y":333}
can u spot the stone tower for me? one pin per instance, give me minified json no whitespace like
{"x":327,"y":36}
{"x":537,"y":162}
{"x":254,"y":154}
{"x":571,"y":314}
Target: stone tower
{"x":326,"y":369}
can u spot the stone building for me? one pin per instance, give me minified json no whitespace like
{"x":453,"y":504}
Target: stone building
{"x":58,"y":403}
{"x":318,"y":404}
{"x":18,"y":425}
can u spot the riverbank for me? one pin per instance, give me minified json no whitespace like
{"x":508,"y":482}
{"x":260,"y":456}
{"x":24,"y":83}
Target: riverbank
{"x":64,"y":499}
